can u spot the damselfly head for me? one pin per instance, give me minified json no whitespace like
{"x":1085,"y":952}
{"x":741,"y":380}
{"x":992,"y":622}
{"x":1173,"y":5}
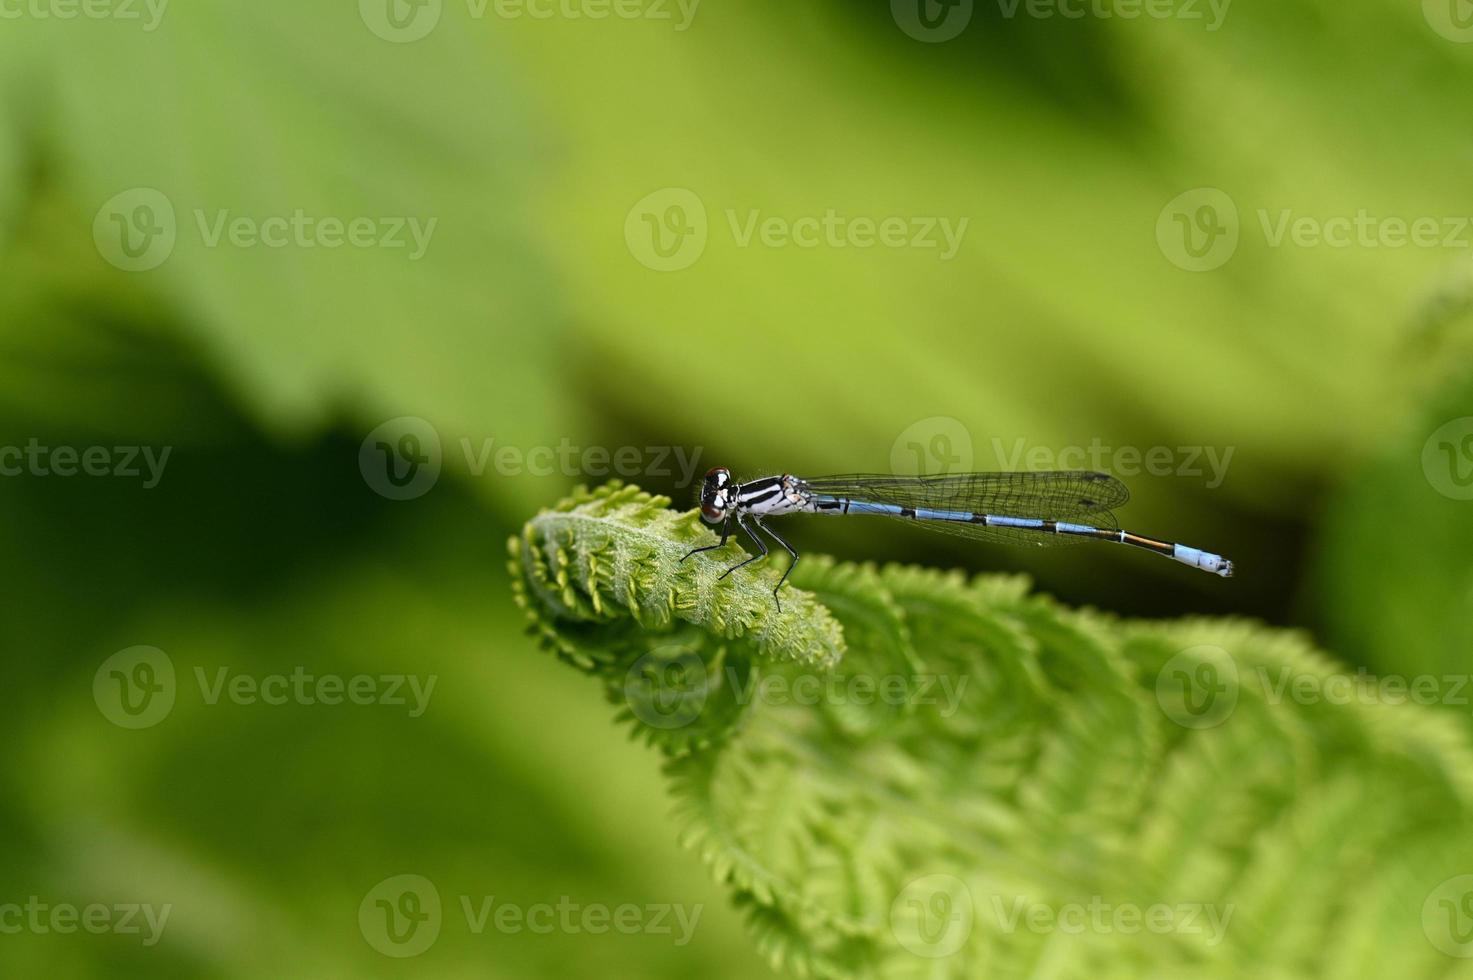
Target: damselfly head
{"x":717,"y":499}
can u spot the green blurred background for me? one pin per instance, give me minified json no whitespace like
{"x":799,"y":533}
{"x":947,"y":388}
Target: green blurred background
{"x":588,"y":282}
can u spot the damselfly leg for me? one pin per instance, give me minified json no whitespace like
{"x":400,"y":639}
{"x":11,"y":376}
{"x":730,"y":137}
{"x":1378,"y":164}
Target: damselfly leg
{"x":791,"y":565}
{"x":725,"y":533}
{"x":753,"y":535}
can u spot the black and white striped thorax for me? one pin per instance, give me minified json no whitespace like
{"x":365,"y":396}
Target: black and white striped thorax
{"x":773,"y":495}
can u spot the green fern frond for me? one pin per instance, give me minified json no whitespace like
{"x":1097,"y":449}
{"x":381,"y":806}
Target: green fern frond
{"x":616,"y":553}
{"x":971,"y":764}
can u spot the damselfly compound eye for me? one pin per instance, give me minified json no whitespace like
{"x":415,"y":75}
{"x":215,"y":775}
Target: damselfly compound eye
{"x":714,"y":495}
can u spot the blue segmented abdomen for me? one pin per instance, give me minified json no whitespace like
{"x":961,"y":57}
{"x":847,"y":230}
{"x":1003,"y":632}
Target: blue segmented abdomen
{"x":1197,"y":558}
{"x":841,"y":505}
{"x":868,"y":507}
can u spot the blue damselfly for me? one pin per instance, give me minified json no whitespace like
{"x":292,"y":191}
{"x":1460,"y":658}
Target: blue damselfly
{"x":1036,"y":509}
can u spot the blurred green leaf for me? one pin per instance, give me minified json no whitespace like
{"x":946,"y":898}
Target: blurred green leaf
{"x":264,"y":825}
{"x":299,"y":121}
{"x":1394,"y":567}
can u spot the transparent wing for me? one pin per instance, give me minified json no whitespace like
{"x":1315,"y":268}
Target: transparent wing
{"x":1051,"y":495}
{"x":1081,"y":496}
